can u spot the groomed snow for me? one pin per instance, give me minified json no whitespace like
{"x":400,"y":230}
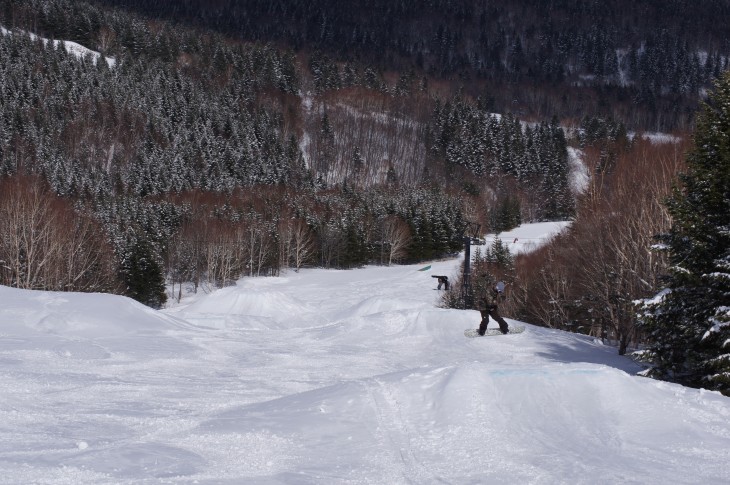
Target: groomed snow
{"x":332,"y":377}
{"x":527,"y":237}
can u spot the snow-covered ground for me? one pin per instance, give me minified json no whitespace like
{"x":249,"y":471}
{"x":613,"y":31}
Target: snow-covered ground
{"x":527,"y":237}
{"x":332,"y":377}
{"x":658,"y":138}
{"x":579,"y":177}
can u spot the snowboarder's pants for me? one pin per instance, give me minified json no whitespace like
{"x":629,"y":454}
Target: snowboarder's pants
{"x":492,"y":312}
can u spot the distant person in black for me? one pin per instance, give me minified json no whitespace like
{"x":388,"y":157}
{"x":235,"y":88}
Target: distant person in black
{"x":443,"y":281}
{"x":491,"y":300}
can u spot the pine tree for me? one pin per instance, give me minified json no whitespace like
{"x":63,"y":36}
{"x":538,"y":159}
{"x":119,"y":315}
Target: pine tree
{"x":690,"y":324}
{"x":142,"y":274}
{"x":496,"y":264}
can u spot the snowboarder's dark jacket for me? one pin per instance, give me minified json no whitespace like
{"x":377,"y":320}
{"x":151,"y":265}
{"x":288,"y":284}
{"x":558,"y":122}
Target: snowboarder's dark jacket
{"x":491,"y":301}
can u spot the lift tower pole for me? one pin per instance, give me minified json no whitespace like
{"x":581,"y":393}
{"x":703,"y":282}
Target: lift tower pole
{"x":467,"y":294}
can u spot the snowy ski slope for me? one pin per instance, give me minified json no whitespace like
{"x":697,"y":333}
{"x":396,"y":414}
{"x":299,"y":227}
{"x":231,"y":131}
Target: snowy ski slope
{"x":351,"y":377}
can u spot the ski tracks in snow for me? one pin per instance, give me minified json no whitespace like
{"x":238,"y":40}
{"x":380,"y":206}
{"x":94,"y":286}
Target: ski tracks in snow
{"x":396,"y":435}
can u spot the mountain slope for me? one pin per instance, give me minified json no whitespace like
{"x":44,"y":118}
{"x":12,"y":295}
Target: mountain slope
{"x":336,"y":377}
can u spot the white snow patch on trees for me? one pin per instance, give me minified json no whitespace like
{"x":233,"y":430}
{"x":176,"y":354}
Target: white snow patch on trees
{"x":580,"y":177}
{"x":72,"y":48}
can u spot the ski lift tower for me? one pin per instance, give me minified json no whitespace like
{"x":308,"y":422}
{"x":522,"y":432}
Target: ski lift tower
{"x":470,"y":236}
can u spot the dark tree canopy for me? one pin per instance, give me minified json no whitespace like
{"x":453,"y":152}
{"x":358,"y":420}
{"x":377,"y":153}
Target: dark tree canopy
{"x":690,"y":325}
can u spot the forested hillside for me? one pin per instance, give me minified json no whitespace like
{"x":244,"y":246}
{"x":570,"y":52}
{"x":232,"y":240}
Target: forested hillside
{"x":193,"y":142}
{"x":643,"y":62}
{"x":202,"y":158}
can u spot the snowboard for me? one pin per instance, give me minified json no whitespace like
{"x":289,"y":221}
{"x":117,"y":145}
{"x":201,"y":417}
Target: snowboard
{"x":493,"y":332}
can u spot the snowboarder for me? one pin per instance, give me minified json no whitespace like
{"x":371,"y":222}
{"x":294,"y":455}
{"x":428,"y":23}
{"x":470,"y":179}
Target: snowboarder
{"x":443,"y":281}
{"x":491,"y":301}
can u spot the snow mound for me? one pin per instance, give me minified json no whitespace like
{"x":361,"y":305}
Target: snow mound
{"x":377,"y":427}
{"x":252,"y":308}
{"x":79,"y":314}
{"x":86,"y":326}
{"x":379,"y":304}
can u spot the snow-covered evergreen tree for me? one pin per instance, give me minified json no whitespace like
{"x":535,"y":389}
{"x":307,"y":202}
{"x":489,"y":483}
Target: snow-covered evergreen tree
{"x":690,"y":323}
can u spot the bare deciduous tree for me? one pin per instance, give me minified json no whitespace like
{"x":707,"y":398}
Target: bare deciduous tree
{"x":396,"y":237}
{"x":45,"y":244}
{"x":589,"y":278}
{"x":303,"y":248}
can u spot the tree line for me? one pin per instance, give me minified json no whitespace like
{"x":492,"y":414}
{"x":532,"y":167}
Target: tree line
{"x":501,"y":149}
{"x":135,"y":246}
{"x":643,"y":62}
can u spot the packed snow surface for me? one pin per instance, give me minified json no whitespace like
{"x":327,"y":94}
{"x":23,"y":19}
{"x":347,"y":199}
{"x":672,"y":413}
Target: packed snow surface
{"x":526,"y":238}
{"x":332,"y":377}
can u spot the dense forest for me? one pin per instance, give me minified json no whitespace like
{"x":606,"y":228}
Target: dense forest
{"x":642,"y":62}
{"x":189,"y":143}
